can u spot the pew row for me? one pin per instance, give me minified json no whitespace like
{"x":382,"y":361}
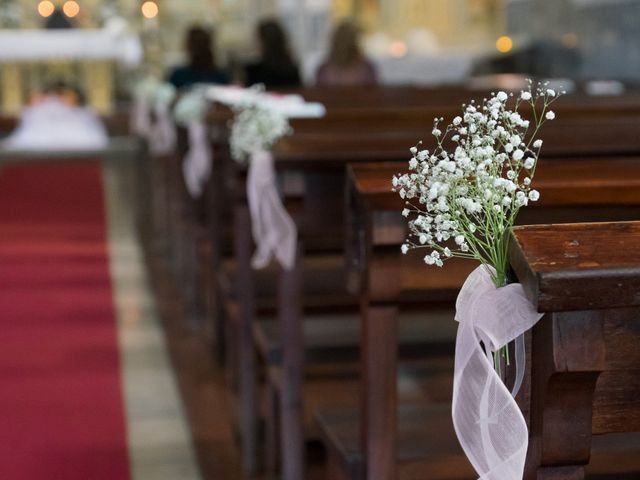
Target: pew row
{"x":322,"y":149}
{"x":606,"y":188}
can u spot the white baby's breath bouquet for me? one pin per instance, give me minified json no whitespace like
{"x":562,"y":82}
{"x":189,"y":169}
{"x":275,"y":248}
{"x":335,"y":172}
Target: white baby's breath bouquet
{"x":256,"y":127}
{"x":191,"y":106}
{"x":463,"y":203}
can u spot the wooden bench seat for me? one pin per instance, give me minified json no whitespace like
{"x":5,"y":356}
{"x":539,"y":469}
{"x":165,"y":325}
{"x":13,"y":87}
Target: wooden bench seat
{"x":363,"y":132}
{"x":322,"y":277}
{"x":421,"y":453}
{"x":444,"y":96}
{"x":331,"y":387}
{"x":428,"y":448}
{"x":328,"y":337}
{"x":589,"y":187}
{"x":335,"y":385}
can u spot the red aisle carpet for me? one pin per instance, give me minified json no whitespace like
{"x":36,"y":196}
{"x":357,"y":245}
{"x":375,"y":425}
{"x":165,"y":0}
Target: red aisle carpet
{"x":61,"y":406}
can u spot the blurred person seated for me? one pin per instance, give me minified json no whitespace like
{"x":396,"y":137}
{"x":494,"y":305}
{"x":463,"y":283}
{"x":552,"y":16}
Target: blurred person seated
{"x":57,"y":120}
{"x":276,"y":68}
{"x":58,"y":20}
{"x":67,"y":94}
{"x":201,"y":67}
{"x":346,"y":65}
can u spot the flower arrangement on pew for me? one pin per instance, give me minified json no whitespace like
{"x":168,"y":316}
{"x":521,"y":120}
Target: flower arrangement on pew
{"x":260,"y":120}
{"x":463,"y":204}
{"x":154,"y":96}
{"x":473,"y":195}
{"x":190,"y":112}
{"x":143,"y":93}
{"x":256,"y":128}
{"x":192,"y":106}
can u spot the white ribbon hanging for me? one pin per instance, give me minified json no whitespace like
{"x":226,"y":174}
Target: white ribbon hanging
{"x":141,"y":116}
{"x":274,"y":231}
{"x":490,"y":427}
{"x":196,"y":166}
{"x":162,"y":135}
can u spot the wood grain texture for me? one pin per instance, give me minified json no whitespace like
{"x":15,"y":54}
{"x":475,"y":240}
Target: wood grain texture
{"x":584,"y":375}
{"x":566,"y":267}
{"x":378,"y":125}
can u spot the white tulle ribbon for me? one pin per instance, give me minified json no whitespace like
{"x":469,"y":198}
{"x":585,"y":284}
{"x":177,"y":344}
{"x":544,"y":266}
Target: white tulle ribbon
{"x":196,"y":166}
{"x":487,"y":420}
{"x":162,"y":134}
{"x":274,"y":231}
{"x":141,"y":116}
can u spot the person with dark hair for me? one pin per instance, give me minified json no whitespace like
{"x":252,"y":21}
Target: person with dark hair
{"x":346,"y":65}
{"x":58,"y":20}
{"x":276,"y":68}
{"x":201,"y":67}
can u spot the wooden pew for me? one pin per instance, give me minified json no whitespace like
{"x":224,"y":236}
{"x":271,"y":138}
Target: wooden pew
{"x":584,"y":378}
{"x":584,"y":189}
{"x":446,"y":96}
{"x":287,"y":346}
{"x":289,"y":310}
{"x":322,"y":152}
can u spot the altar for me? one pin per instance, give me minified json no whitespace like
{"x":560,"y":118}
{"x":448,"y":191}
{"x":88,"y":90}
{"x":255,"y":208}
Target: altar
{"x":86,"y":57}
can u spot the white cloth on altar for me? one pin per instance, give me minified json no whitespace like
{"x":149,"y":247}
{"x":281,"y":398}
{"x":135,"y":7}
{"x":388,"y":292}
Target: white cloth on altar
{"x":70,"y":44}
{"x":450,"y":68}
{"x":487,"y":420}
{"x":53,"y":125}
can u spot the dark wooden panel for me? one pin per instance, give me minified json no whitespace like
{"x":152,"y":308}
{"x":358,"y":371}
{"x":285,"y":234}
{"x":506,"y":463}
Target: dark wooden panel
{"x":576,"y":259}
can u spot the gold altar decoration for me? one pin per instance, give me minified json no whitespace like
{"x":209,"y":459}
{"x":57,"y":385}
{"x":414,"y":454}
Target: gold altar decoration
{"x":87,"y":58}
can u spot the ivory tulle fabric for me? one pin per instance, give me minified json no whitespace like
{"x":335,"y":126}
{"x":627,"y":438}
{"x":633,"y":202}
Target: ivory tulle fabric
{"x":53,"y":125}
{"x":141,"y":116}
{"x":162,"y":134}
{"x":487,"y":420}
{"x":274,"y":231}
{"x":196,"y":166}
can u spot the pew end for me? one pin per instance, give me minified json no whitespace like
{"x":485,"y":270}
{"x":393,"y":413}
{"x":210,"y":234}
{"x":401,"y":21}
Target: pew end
{"x":583,"y":378}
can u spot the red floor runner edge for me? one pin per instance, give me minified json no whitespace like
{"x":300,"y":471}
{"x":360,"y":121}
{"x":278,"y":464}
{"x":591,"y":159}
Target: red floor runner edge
{"x":61,"y":401}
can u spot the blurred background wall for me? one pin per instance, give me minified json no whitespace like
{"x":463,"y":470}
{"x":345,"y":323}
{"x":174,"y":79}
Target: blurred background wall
{"x":575,"y":38}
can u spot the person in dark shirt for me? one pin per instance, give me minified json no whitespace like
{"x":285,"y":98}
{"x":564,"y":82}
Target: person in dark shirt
{"x":58,"y":20}
{"x":276,"y":68}
{"x":202,"y":66}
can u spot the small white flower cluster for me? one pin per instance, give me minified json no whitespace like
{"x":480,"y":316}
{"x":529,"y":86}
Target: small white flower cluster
{"x":164,"y":95}
{"x":469,"y":198}
{"x":191,"y":106}
{"x":157,"y":93}
{"x":147,"y":87}
{"x":256,"y":127}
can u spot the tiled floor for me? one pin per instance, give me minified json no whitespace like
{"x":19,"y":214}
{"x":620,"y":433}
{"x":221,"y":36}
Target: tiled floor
{"x":160,"y":443}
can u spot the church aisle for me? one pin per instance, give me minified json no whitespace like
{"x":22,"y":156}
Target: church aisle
{"x":86,"y":389}
{"x":61,"y":410}
{"x":160,"y":444}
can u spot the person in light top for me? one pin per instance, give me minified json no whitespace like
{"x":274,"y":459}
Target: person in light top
{"x":346,"y":65}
